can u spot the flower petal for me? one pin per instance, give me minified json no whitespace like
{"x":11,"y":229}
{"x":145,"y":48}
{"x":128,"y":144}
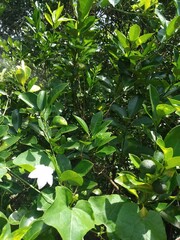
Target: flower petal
{"x":50,"y":180}
{"x":41,"y":182}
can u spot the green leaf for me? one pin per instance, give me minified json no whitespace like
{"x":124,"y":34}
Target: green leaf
{"x":72,"y":177}
{"x":173,"y":162}
{"x":106,"y":209}
{"x":122,"y":39}
{"x":19,"y":233}
{"x":34,"y":230}
{"x":177,"y":3}
{"x":154,"y":97}
{"x":5,"y":228}
{"x":134,"y":32}
{"x":8,"y":142}
{"x":114,"y":2}
{"x":29,"y":98}
{"x":3,"y":130}
{"x":41,"y":100}
{"x":57,"y":91}
{"x":143,"y":38}
{"x":103,"y":138}
{"x":107,"y":150}
{"x":83,"y":8}
{"x":83,"y":167}
{"x":71,"y":223}
{"x":134,"y":105}
{"x":168,"y":152}
{"x":164,"y":109}
{"x":48,"y":18}
{"x":130,"y":224}
{"x":16,"y":119}
{"x":172,"y":140}
{"x":173,"y":26}
{"x":83,"y":124}
{"x":96,"y":122}
{"x":136,"y":161}
{"x":3,"y":170}
{"x":119,"y":110}
{"x":57,"y":13}
{"x":32,"y":157}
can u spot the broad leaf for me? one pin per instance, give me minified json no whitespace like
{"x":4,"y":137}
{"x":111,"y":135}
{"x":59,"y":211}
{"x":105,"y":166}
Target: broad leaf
{"x":134,"y":32}
{"x":134,"y":105}
{"x":173,"y":26}
{"x":122,"y":39}
{"x":16,"y":119}
{"x":41,"y":100}
{"x":83,"y":167}
{"x":164,"y":109}
{"x":84,"y":7}
{"x":173,"y":162}
{"x":71,"y":223}
{"x":106,"y":209}
{"x":8,"y":142}
{"x":72,"y":177}
{"x":131,"y":225}
{"x":30,"y":158}
{"x":29,"y":98}
{"x":96,"y":122}
{"x":3,"y":130}
{"x":172,"y":140}
{"x":107,"y":150}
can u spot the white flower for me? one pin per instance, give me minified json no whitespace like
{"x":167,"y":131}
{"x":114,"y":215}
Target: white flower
{"x":43,"y":174}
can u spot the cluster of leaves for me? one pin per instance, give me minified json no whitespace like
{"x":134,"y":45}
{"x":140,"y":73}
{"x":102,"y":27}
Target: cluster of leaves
{"x":95,"y":104}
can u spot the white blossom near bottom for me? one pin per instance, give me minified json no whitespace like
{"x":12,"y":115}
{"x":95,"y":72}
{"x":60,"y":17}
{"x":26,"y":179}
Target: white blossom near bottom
{"x":43,"y":174}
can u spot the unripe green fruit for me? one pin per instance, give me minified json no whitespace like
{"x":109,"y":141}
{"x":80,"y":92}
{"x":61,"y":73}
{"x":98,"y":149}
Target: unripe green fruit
{"x":159,"y":187}
{"x":147,"y":166}
{"x":59,"y":121}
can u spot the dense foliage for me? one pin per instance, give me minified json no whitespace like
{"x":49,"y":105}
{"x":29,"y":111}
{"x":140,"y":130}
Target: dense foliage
{"x":89,"y":121}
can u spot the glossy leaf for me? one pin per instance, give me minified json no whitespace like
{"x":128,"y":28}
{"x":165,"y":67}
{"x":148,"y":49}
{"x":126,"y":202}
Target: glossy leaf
{"x":136,"y":161}
{"x":41,"y":100}
{"x":84,"y":7}
{"x":172,"y":140}
{"x":164,"y":109}
{"x":57,"y":91}
{"x":83,"y":124}
{"x":30,"y":99}
{"x":107,"y":150}
{"x":134,"y":32}
{"x":66,"y":219}
{"x":8,"y":142}
{"x":72,"y":177}
{"x":154,"y":97}
{"x":48,"y":18}
{"x":16,"y":119}
{"x":34,"y":230}
{"x":83,"y":167}
{"x":96,"y":122}
{"x":173,"y":26}
{"x":173,"y":162}
{"x":3,"y":170}
{"x":134,"y":105}
{"x":122,"y":39}
{"x":143,"y":38}
{"x":3,"y":130}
